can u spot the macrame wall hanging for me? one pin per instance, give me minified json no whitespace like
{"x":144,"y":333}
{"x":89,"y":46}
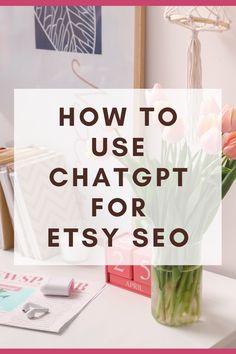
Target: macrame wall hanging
{"x":197,"y":18}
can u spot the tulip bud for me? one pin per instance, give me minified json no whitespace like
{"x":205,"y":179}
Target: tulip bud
{"x":229,"y":119}
{"x":229,"y":145}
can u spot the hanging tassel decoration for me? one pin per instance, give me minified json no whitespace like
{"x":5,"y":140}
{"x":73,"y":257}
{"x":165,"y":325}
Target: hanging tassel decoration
{"x":194,"y":69}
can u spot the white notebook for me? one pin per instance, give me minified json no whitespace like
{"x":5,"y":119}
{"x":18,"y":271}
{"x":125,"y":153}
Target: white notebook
{"x":42,"y":205}
{"x":7,"y":189}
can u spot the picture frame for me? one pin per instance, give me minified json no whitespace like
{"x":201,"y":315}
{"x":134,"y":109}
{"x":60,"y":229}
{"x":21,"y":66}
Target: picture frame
{"x":140,"y":33}
{"x":22,"y":65}
{"x":138,"y":56}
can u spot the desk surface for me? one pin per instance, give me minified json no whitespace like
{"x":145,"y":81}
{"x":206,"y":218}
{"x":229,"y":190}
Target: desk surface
{"x":121,"y":319}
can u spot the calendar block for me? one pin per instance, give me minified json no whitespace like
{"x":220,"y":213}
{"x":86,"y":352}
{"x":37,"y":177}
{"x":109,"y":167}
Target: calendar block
{"x":142,"y":268}
{"x":121,"y":255}
{"x":130,"y":267}
{"x":130,"y":285}
{"x":121,"y":270}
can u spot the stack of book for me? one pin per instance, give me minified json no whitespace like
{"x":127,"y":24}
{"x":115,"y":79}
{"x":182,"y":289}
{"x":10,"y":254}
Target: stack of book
{"x":6,"y":199}
{"x":29,"y":199}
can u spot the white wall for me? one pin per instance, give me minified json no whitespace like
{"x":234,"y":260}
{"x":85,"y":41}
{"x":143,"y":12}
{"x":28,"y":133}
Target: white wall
{"x":166,"y":48}
{"x":166,"y":63}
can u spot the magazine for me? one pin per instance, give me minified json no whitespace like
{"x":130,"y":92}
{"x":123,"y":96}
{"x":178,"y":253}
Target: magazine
{"x":18,"y":289}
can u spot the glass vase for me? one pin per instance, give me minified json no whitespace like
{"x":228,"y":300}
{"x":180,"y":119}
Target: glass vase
{"x":176,"y":294}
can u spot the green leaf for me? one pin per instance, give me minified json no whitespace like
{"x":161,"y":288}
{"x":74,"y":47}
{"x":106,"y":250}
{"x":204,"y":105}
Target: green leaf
{"x":225,"y":171}
{"x":230,"y":164}
{"x":228,"y":181}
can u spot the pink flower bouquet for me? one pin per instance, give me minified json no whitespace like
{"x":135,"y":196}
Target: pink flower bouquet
{"x":229,"y":148}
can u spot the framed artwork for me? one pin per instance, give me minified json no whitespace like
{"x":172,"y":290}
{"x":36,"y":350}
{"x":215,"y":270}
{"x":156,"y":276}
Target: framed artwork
{"x":75,"y":29}
{"x":68,"y":47}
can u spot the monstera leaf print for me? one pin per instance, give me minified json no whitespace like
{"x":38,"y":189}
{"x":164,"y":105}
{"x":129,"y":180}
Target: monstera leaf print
{"x":68,"y":28}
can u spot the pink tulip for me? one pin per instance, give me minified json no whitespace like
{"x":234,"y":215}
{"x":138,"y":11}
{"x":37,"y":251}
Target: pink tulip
{"x":156,"y":98}
{"x":229,"y":119}
{"x":155,"y":95}
{"x":175,"y":132}
{"x":229,"y":145}
{"x":210,"y":141}
{"x":209,"y":132}
{"x":206,"y":122}
{"x":209,"y":106}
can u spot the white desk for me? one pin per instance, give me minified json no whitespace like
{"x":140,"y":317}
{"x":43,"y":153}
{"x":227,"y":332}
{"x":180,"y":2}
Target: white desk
{"x":118,"y":318}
